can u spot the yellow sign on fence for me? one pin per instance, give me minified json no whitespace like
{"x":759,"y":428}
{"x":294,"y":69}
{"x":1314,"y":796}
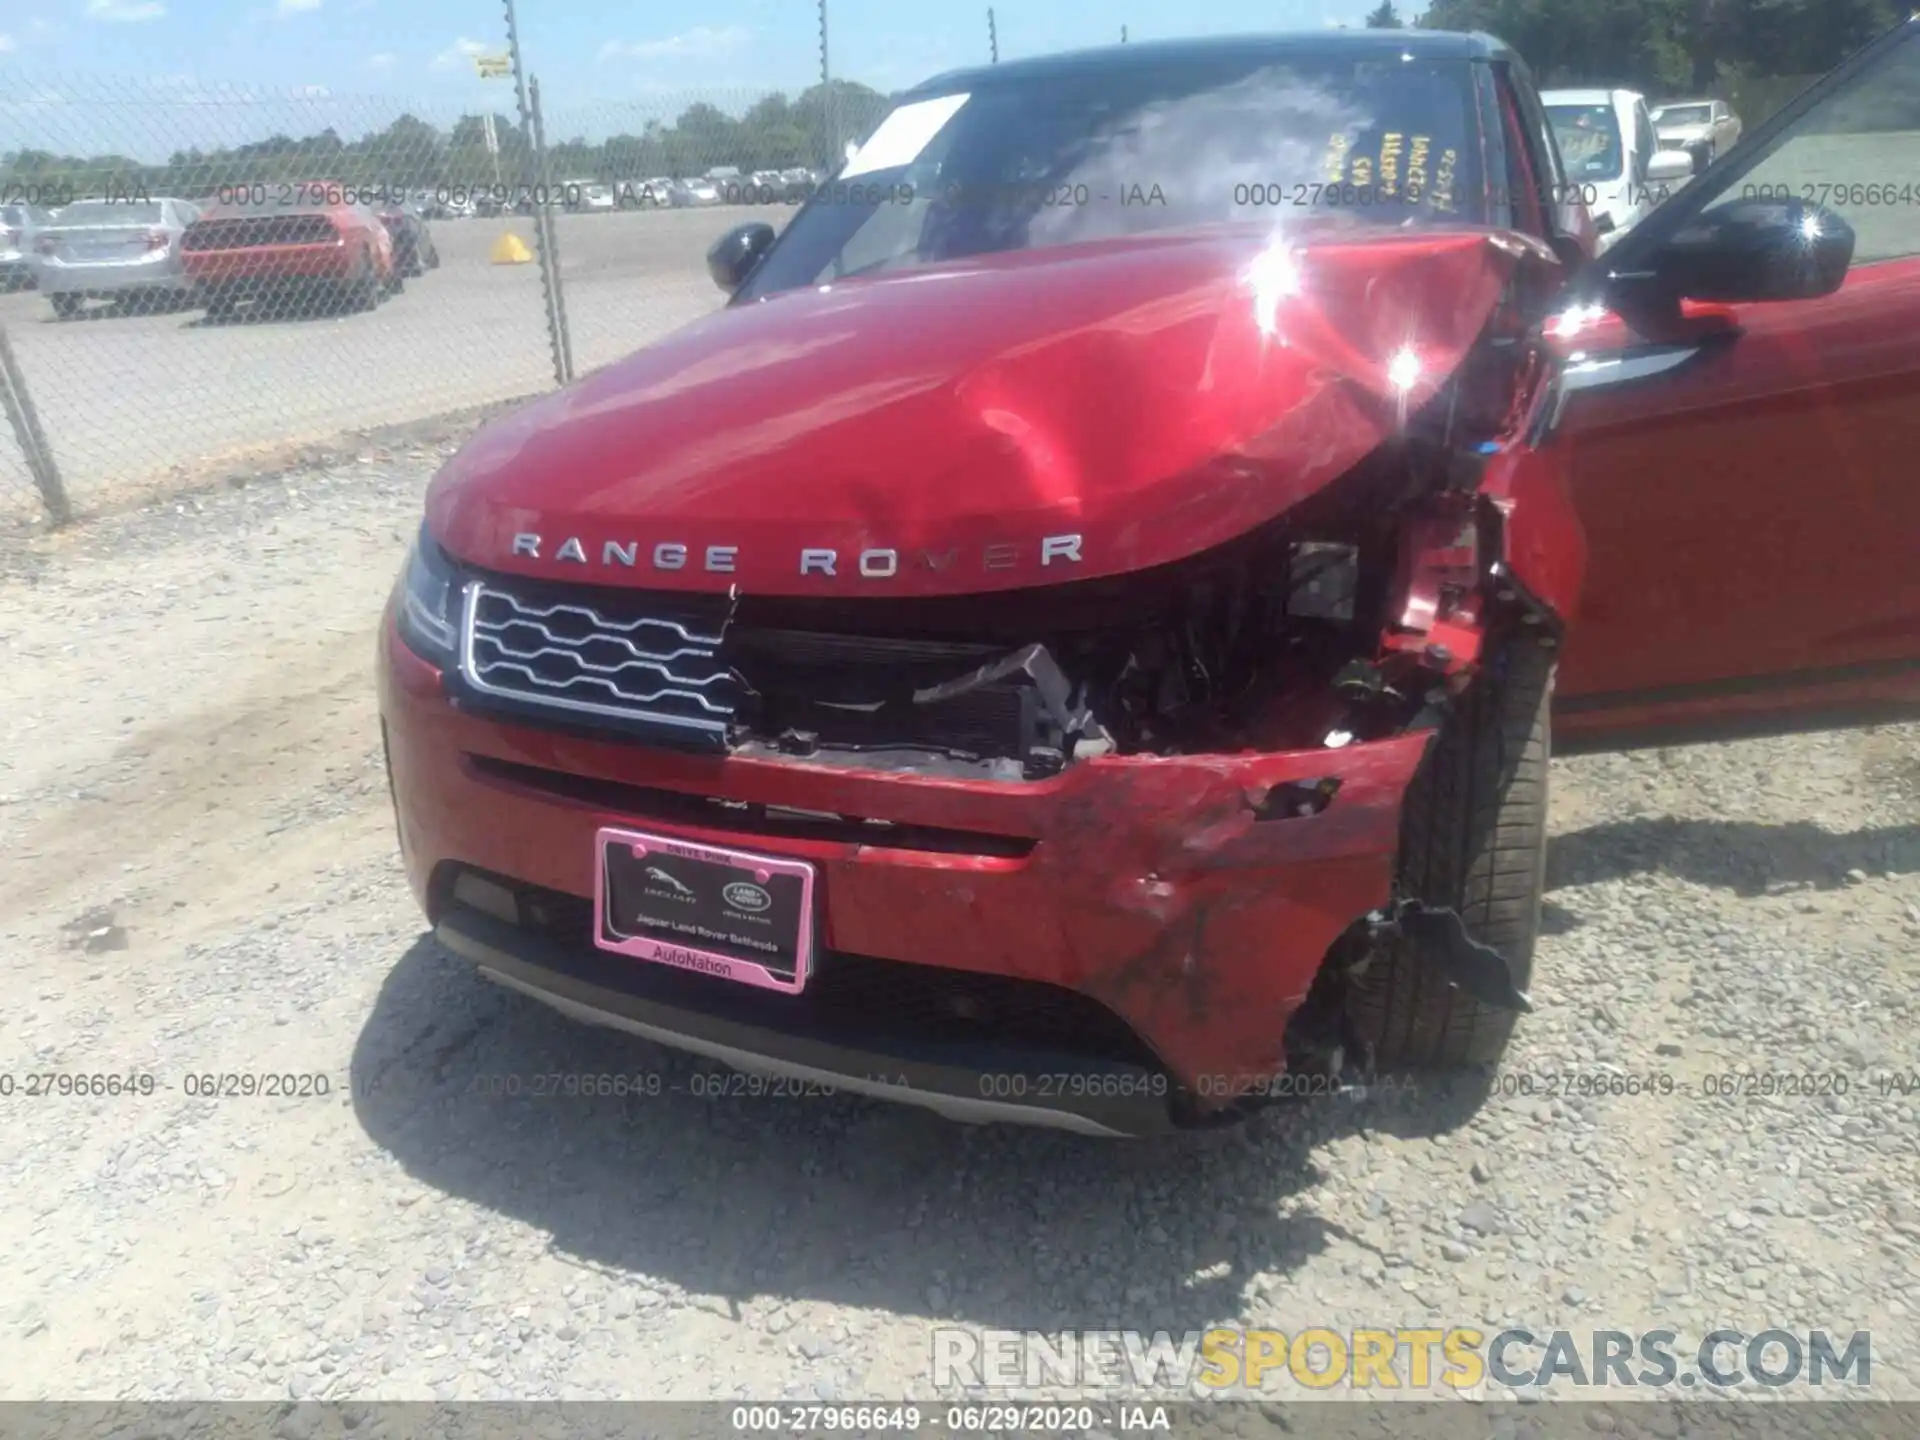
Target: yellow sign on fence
{"x":493,"y":67}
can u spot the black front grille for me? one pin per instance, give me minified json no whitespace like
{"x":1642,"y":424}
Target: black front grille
{"x":586,"y":658}
{"x":691,"y":671}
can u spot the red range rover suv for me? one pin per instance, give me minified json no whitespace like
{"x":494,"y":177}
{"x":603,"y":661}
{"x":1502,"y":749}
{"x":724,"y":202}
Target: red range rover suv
{"x":1168,"y":498}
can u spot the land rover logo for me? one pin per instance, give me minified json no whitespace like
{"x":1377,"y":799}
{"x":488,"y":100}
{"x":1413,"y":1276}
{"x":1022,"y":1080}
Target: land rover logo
{"x":743,"y":896}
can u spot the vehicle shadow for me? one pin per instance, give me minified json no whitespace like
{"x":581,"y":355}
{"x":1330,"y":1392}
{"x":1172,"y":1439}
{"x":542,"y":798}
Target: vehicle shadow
{"x":835,"y":1198}
{"x":301,"y":307}
{"x":1746,"y":857}
{"x":121,"y":307}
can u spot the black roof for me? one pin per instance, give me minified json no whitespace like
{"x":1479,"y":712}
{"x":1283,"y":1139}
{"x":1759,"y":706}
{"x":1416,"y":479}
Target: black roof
{"x":1426,"y":44}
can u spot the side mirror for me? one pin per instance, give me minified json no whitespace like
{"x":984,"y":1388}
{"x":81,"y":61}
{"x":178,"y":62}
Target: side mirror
{"x":1669,"y":165}
{"x":1757,"y":249}
{"x":735,"y":253}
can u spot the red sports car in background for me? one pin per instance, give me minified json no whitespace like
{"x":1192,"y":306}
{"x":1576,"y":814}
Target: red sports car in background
{"x":288,"y":247}
{"x":1171,"y":497}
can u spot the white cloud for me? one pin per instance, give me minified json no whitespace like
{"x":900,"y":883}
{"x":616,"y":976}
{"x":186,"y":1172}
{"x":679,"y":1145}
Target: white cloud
{"x":6,"y":43}
{"x":125,"y":12}
{"x":295,"y":7}
{"x":381,"y":61}
{"x":703,"y":42}
{"x":459,"y":55}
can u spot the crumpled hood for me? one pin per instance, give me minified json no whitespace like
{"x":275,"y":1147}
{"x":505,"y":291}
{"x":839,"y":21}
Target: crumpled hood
{"x":1015,"y":420}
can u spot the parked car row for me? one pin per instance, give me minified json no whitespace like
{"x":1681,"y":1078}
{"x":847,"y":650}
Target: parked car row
{"x":18,"y":225}
{"x":170,"y":252}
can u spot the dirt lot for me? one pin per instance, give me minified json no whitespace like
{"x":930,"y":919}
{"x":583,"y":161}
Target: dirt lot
{"x":200,"y":879}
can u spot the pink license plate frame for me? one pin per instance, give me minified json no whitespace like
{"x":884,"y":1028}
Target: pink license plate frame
{"x":701,"y":958}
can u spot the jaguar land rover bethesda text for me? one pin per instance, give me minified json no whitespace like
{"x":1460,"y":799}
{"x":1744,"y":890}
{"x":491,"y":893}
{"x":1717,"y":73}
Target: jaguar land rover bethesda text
{"x":1077,"y":635}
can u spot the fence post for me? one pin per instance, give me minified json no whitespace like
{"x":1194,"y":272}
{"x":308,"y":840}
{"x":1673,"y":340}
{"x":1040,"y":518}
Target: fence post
{"x":33,"y":440}
{"x":830,"y":112}
{"x":558,"y":341}
{"x":552,"y":250}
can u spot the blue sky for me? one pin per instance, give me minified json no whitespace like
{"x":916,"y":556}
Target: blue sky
{"x":605,"y":51}
{"x":146,"y":78}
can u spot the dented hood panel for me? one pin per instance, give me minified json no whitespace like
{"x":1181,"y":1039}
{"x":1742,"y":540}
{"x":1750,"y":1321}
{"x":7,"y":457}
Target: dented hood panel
{"x":935,"y":430}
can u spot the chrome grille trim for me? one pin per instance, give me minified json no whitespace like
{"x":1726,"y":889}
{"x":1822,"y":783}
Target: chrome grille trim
{"x":569,"y":681}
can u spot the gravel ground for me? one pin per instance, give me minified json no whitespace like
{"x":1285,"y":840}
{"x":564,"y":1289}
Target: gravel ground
{"x":200,"y":878}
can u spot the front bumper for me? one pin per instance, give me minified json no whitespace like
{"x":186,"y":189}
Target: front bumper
{"x":824,"y":1052}
{"x":1168,"y":894}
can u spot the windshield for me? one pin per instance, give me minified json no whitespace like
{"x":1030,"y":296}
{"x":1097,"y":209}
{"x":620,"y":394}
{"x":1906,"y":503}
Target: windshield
{"x":1589,"y":137}
{"x":1682,"y":115}
{"x":1127,"y":150}
{"x":111,"y":212}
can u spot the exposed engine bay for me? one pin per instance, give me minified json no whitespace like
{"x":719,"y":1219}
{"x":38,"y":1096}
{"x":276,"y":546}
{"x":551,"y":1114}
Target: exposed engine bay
{"x":1334,"y":624}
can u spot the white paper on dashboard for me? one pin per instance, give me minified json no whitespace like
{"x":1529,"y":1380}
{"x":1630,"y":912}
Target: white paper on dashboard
{"x":903,"y":135}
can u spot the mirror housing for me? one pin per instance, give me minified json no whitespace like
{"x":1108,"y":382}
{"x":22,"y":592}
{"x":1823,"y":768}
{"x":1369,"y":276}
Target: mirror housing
{"x":735,"y":253}
{"x":1756,"y":249}
{"x":1666,"y":166}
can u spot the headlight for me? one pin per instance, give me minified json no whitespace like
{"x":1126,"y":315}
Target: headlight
{"x":429,"y":595}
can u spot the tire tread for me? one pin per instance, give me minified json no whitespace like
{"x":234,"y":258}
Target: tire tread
{"x":1473,"y":838}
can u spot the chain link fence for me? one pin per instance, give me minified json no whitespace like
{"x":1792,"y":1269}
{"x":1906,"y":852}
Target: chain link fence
{"x":199,"y":279}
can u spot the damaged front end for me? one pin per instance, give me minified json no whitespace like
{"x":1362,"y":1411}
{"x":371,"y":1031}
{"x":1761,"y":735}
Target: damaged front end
{"x":1174,"y":786}
{"x":1355,"y":620}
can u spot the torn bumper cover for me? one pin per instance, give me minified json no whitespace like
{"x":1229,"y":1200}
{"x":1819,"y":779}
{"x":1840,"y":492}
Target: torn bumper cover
{"x":1170,"y":912}
{"x":1439,"y":936}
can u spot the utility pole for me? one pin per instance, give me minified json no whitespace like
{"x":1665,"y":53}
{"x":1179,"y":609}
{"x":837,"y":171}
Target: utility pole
{"x":993,"y":39}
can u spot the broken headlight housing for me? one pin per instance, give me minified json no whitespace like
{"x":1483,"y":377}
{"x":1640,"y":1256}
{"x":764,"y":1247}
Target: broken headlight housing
{"x":429,"y":598}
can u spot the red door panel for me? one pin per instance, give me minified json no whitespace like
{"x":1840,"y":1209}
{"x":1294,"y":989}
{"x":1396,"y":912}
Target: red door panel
{"x":1752,"y":516}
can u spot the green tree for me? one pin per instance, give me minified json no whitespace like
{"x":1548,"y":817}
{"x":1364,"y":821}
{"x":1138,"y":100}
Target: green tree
{"x":1384,"y":17}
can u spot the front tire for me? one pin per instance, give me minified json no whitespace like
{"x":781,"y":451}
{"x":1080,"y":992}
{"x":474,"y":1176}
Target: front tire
{"x":1473,"y":839}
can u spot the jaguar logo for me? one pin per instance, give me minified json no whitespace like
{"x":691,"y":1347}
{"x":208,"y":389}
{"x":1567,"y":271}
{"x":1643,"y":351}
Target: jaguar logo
{"x":743,"y":895}
{"x":873,"y":563}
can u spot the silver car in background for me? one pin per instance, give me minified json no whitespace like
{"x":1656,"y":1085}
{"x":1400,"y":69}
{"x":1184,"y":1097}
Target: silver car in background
{"x":694,"y":192}
{"x":1705,"y":129}
{"x":19,"y":223}
{"x":125,"y":250}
